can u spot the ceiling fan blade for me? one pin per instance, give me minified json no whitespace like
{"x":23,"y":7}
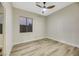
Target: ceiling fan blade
{"x":49,"y":7}
{"x":38,"y":5}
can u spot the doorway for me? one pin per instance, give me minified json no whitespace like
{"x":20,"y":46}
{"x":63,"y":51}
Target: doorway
{"x":1,"y":29}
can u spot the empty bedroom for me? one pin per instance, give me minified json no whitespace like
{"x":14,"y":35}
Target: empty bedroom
{"x":41,"y":28}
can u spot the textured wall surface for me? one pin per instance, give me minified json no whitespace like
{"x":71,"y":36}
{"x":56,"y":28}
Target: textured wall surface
{"x":8,"y":27}
{"x":38,"y":26}
{"x":64,"y":24}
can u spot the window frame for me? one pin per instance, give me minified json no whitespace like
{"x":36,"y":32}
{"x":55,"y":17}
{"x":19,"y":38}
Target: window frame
{"x":25,"y":25}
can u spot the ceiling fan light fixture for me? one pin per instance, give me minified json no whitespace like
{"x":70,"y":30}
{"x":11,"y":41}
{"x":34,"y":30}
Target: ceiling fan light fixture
{"x":44,"y":9}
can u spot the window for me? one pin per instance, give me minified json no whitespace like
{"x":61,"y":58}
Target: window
{"x":1,"y":23}
{"x":25,"y":24}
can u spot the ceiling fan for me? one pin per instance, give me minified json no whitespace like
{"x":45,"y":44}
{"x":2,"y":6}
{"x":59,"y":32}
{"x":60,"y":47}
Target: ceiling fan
{"x":44,"y":7}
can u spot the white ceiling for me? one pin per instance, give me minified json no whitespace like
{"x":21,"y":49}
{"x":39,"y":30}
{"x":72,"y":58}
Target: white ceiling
{"x":31,"y":7}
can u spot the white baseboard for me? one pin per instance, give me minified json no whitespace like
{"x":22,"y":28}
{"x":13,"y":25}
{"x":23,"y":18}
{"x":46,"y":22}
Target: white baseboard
{"x":65,"y":42}
{"x":29,"y":40}
{"x":49,"y":37}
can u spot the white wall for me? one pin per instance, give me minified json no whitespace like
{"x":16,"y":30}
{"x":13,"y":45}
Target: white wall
{"x":8,"y":33}
{"x":1,"y":40}
{"x":63,"y":25}
{"x":38,"y":27}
